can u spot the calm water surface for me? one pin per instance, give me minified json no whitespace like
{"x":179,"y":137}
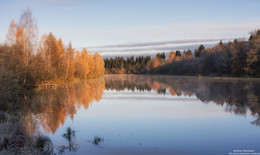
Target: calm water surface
{"x":139,"y":114}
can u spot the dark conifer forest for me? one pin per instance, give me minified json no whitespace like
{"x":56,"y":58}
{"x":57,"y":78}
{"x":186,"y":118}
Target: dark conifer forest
{"x":236,"y":59}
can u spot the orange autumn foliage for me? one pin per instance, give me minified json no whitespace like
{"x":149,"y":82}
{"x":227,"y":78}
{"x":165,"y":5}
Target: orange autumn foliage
{"x":54,"y":106}
{"x":171,"y":56}
{"x":46,"y":61}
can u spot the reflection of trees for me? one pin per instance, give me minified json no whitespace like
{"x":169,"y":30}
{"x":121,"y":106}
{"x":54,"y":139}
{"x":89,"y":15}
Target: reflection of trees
{"x":132,"y":82}
{"x":237,"y":95}
{"x":51,"y":107}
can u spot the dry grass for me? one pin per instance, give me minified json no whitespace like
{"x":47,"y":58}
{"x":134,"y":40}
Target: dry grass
{"x":15,"y":140}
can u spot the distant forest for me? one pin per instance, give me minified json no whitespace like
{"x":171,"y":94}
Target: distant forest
{"x":25,"y":62}
{"x":237,"y":58}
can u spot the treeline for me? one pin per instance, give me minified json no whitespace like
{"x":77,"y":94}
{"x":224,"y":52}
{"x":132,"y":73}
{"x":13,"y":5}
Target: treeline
{"x":237,"y":58}
{"x":141,"y":64}
{"x":25,"y":61}
{"x":120,"y":65}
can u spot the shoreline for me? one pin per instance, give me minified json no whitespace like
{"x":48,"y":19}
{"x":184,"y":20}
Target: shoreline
{"x":193,"y":76}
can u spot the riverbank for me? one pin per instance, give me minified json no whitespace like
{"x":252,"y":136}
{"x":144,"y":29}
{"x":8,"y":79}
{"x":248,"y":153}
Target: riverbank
{"x":191,"y":76}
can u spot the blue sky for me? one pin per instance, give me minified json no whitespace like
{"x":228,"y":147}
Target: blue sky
{"x":94,"y":23}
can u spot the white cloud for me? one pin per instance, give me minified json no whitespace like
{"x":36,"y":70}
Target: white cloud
{"x":143,"y":44}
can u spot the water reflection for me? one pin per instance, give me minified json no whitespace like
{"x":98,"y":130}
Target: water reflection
{"x":50,"y":108}
{"x":237,"y":95}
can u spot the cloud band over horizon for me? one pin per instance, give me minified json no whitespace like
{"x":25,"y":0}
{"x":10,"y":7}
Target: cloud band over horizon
{"x":151,"y":48}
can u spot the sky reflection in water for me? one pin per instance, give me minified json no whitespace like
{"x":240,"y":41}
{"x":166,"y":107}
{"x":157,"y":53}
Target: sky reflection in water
{"x":137,"y":114}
